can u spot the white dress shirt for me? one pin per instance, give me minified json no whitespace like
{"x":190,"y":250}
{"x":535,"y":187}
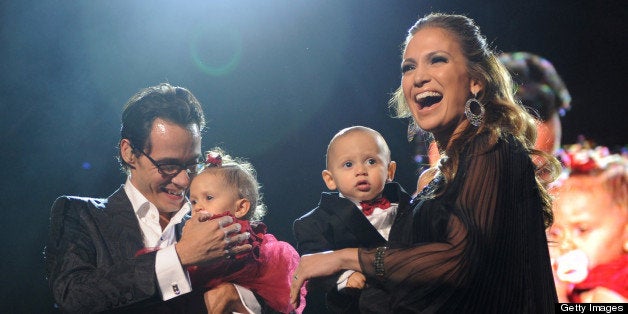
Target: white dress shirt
{"x":172,"y":278}
{"x":382,"y":220}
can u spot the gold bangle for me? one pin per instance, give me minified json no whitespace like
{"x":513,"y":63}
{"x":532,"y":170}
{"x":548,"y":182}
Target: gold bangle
{"x":379,"y":261}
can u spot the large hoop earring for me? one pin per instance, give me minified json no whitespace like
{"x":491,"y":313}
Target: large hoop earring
{"x":475,"y":119}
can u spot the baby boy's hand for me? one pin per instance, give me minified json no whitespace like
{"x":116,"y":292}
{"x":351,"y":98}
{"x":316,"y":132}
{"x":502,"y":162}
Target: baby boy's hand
{"x":356,"y":280}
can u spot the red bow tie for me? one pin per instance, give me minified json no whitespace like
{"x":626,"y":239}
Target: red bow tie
{"x":369,"y":206}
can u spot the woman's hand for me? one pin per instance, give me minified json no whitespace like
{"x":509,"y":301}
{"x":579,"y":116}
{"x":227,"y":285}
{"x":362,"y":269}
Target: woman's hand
{"x":322,"y":264}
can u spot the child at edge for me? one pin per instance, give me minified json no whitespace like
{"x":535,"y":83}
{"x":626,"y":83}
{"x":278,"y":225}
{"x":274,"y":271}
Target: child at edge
{"x":227,"y":186}
{"x":589,"y":238}
{"x":361,"y":213}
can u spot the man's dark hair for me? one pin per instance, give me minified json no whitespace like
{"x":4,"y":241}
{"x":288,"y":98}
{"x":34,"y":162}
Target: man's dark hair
{"x":171,"y":103}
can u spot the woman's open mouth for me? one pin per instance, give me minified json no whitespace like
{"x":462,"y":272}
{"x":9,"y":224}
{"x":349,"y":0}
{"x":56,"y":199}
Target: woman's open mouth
{"x":427,"y":99}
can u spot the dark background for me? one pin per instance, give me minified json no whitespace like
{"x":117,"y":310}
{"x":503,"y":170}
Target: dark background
{"x":276,"y":79}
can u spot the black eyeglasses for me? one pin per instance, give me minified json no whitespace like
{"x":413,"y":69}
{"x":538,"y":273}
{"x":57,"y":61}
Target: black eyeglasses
{"x":172,"y":169}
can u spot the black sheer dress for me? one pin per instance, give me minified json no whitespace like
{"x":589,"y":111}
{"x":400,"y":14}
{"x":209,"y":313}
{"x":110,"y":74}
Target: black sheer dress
{"x":478,"y":248}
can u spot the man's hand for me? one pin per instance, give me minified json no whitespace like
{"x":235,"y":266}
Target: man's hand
{"x":356,"y":280}
{"x":206,"y":240}
{"x":224,"y":299}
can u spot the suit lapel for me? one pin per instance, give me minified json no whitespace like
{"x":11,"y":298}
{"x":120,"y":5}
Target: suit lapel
{"x":349,"y":216}
{"x":395,"y":193}
{"x":120,"y":227}
{"x":178,"y":228}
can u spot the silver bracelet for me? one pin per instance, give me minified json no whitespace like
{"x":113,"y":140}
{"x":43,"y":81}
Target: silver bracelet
{"x":379,"y":261}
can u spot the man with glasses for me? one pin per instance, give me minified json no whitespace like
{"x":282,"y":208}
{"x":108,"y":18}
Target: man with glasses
{"x":121,"y":254}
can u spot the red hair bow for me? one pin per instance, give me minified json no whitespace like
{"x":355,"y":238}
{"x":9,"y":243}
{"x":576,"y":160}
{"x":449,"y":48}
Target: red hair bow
{"x":213,"y":160}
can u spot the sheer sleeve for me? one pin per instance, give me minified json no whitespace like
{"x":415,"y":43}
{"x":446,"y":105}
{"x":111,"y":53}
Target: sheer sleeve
{"x":461,"y":216}
{"x":472,"y":239}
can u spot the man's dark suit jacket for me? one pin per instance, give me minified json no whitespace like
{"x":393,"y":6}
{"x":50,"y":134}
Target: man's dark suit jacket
{"x":337,"y":224}
{"x":90,"y":258}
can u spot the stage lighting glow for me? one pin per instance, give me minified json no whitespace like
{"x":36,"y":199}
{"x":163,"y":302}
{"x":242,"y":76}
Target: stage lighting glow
{"x":216,"y":50}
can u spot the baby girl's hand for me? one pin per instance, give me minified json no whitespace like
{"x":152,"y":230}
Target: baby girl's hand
{"x":224,"y":299}
{"x":602,"y":295}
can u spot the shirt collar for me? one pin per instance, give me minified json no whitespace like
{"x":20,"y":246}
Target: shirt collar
{"x":357,"y":203}
{"x":141,"y":205}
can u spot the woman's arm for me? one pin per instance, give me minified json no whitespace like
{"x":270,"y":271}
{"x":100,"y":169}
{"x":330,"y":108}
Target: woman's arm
{"x":322,"y":264}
